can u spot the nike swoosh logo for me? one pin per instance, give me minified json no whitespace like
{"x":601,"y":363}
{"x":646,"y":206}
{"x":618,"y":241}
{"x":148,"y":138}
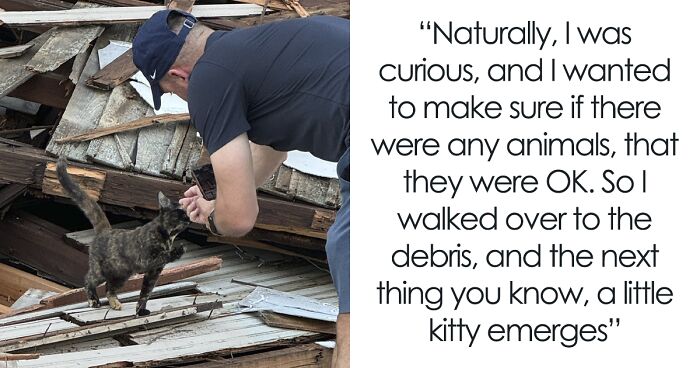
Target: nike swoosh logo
{"x":154,"y":75}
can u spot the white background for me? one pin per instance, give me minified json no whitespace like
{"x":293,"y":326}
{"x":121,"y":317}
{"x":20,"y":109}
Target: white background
{"x":648,"y":336}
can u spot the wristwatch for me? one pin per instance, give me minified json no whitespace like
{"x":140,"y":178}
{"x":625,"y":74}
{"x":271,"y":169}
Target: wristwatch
{"x":212,"y":225}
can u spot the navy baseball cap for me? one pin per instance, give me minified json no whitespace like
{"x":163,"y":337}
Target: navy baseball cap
{"x":156,"y":47}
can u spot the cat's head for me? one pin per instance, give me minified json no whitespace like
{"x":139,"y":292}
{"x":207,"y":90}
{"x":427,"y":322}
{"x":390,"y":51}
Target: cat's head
{"x":173,"y":218}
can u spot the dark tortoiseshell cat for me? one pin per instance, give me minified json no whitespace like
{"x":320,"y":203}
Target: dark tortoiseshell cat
{"x":117,"y":254}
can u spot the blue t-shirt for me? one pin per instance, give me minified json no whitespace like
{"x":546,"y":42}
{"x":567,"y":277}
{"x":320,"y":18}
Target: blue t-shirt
{"x":287,"y":84}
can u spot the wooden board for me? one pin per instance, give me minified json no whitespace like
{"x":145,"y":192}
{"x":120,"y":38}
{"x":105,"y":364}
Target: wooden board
{"x":115,"y":73}
{"x":75,"y":17}
{"x":14,"y":51}
{"x":98,"y":330}
{"x":296,"y":185}
{"x":90,"y":180}
{"x":64,"y":43}
{"x":26,"y":165}
{"x":31,"y":297}
{"x":13,"y":72}
{"x":14,"y":283}
{"x":169,"y":275}
{"x":39,"y":244}
{"x":303,"y":356}
{"x":127,"y":126}
{"x":42,"y":314}
{"x":297,"y":323}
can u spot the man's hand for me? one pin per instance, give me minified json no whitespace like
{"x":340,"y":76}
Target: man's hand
{"x":197,"y":208}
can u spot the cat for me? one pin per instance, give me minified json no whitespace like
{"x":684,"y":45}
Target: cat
{"x":117,"y":254}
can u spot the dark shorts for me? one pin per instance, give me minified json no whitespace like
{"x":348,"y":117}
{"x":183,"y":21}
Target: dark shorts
{"x":338,"y":242}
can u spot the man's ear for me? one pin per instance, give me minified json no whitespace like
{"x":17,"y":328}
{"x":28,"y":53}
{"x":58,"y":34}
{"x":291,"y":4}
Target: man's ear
{"x":179,"y":73}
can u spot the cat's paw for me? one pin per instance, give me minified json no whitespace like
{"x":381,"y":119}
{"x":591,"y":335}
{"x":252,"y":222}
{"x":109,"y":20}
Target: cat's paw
{"x":143,"y":312}
{"x":94,"y":303}
{"x":115,"y":304}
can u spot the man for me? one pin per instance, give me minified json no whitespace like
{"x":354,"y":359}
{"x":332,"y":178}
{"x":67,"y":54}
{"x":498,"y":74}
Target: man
{"x":254,"y":94}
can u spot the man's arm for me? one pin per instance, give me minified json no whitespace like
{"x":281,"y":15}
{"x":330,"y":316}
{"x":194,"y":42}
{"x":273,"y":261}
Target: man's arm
{"x":265,"y":161}
{"x":239,"y":166}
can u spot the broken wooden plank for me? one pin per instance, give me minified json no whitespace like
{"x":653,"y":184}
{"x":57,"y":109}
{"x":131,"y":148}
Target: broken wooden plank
{"x":41,"y":312}
{"x":81,"y":240}
{"x":294,"y":184}
{"x":85,"y":316}
{"x":118,"y":150}
{"x":48,"y":89}
{"x":102,"y":329}
{"x":85,"y":106}
{"x":16,"y":282}
{"x":5,"y":309}
{"x":125,"y":127}
{"x":297,"y":323}
{"x":5,"y":357}
{"x":39,"y":244}
{"x":169,"y":275}
{"x":13,"y":72}
{"x":64,"y":43}
{"x":289,"y":304}
{"x":31,"y":297}
{"x":115,"y":73}
{"x":26,"y":165}
{"x":90,"y":180}
{"x":74,"y":17}
{"x":306,"y":356}
{"x":9,"y":193}
{"x":14,"y":51}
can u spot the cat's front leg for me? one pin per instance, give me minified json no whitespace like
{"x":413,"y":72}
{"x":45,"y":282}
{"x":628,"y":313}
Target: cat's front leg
{"x":150,"y":279}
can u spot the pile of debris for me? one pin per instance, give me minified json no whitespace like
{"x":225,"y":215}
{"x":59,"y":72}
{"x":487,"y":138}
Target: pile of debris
{"x":68,"y":87}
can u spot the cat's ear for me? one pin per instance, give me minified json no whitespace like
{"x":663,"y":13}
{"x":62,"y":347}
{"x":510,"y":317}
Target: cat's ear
{"x":163,"y":201}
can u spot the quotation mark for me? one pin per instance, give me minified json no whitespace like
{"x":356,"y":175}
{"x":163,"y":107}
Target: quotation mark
{"x":424,"y":25}
{"x":617,"y":320}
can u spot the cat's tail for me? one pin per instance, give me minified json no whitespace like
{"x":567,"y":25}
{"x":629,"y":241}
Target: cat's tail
{"x":92,"y":210}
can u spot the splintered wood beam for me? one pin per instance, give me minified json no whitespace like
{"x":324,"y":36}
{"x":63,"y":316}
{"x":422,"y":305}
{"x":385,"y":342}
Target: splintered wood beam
{"x":184,"y":5}
{"x":132,"y":125}
{"x":51,"y":89}
{"x":14,"y":51}
{"x":104,"y":329}
{"x":115,"y":73}
{"x":297,"y":323}
{"x":16,"y":282}
{"x":90,"y":180}
{"x":5,"y":309}
{"x":306,"y":356}
{"x":10,"y":192}
{"x":26,"y":165}
{"x":6,"y":357}
{"x":169,"y":275}
{"x":74,"y":17}
{"x":39,"y":244}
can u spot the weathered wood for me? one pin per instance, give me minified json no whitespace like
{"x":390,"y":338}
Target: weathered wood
{"x":185,"y":5}
{"x":85,"y":107}
{"x":169,"y":275}
{"x":5,"y":357}
{"x":103,"y":329}
{"x":90,"y":180}
{"x":26,"y":165}
{"x":64,"y":43}
{"x":125,"y":127}
{"x":245,"y":242}
{"x":74,"y":17}
{"x":297,"y":323}
{"x":293,"y":184}
{"x":118,"y":150}
{"x":31,"y":297}
{"x":5,"y":309}
{"x":289,"y":304}
{"x":41,"y":312}
{"x":14,"y":283}
{"x":115,"y":73}
{"x":39,"y":244}
{"x":304,"y":356}
{"x":9,"y":193}
{"x":13,"y":72}
{"x":81,"y":240}
{"x":14,"y":51}
{"x":49,"y":89}
{"x":183,"y":144}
